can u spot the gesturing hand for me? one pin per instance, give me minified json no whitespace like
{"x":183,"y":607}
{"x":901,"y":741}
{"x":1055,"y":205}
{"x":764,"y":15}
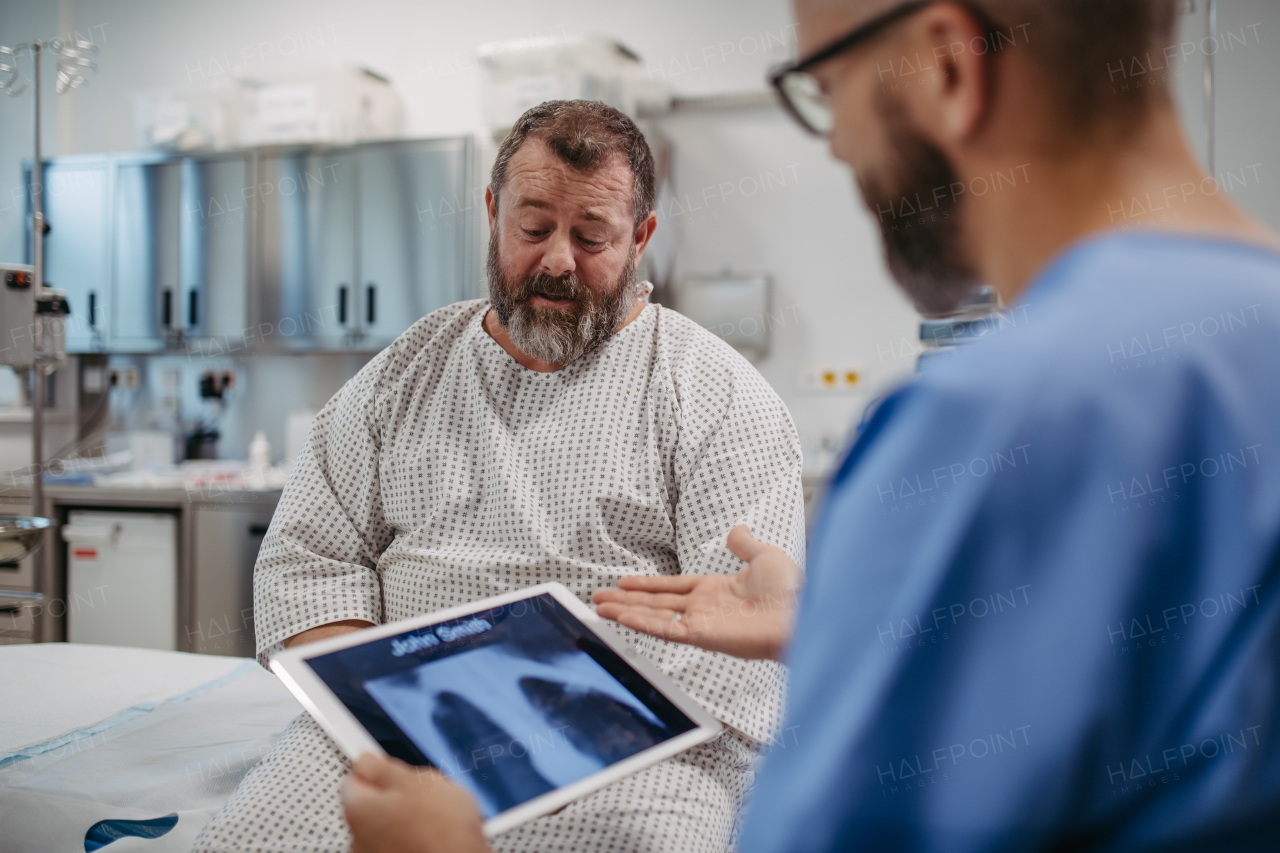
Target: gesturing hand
{"x":747,"y":615}
{"x":394,"y":808}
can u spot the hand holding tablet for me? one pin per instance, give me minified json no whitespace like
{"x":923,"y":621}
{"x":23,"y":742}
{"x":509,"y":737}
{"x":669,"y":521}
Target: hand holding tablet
{"x":394,"y":808}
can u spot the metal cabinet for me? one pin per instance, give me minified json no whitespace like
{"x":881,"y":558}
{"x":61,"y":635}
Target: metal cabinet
{"x":353,"y":245}
{"x":225,"y":543}
{"x":299,"y":248}
{"x":214,"y":247}
{"x":146,"y":264}
{"x":413,"y":220}
{"x":152,"y":249}
{"x":76,"y":206}
{"x":180,"y":259}
{"x":305,"y":266}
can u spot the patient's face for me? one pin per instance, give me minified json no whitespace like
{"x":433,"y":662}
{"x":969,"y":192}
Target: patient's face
{"x":562,"y":254}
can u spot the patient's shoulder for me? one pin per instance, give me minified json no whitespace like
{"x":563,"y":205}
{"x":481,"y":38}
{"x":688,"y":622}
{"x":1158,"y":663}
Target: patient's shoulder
{"x":433,"y":335}
{"x":438,"y":330}
{"x":705,"y":366}
{"x":430,"y":337}
{"x":689,"y":346}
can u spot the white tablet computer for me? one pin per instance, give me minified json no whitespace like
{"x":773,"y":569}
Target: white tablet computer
{"x":528,"y":700}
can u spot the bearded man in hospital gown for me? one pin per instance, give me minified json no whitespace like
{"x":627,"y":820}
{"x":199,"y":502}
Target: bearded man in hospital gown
{"x":562,"y":430}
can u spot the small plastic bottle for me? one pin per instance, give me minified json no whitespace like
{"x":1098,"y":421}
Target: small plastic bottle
{"x":260,"y":452}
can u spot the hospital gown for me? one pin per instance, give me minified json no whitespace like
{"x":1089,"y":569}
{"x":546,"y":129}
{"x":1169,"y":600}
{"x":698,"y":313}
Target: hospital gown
{"x":1043,"y":609}
{"x":445,"y":472}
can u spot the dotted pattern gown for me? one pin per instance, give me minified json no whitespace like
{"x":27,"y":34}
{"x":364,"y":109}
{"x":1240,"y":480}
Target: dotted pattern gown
{"x":444,"y":472}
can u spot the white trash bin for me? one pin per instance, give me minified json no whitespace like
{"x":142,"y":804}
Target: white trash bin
{"x":122,"y":579}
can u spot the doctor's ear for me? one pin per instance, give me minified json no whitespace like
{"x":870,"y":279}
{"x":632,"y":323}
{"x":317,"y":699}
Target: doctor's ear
{"x":950,"y":105}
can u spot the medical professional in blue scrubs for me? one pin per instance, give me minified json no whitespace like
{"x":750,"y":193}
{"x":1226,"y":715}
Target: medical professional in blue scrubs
{"x":1042,"y":608}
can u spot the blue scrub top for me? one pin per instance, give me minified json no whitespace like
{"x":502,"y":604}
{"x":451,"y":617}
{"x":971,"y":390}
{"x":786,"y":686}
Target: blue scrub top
{"x":1042,"y":604}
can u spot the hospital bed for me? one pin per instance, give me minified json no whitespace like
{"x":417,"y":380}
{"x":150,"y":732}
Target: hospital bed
{"x":128,"y":749}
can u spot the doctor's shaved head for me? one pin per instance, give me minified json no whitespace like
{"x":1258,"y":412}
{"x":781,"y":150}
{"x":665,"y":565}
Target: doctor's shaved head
{"x":1084,"y":51}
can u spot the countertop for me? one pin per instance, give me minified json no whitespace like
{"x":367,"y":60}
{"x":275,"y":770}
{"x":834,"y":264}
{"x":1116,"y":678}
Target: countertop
{"x":64,"y":494}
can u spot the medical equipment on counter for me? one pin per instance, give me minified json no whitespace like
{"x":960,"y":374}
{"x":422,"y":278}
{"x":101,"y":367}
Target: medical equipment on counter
{"x":33,"y":322}
{"x":976,"y":317}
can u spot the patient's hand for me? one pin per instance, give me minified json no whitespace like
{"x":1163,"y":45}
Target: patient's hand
{"x":394,"y":808}
{"x":747,"y":615}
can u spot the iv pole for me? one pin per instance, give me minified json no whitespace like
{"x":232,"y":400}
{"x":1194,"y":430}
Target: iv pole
{"x":72,"y":57}
{"x":37,"y":328}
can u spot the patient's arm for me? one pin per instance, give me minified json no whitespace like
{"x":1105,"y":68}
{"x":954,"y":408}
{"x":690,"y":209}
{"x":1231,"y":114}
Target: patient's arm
{"x":747,"y":615}
{"x":318,"y":564}
{"x":394,"y":808}
{"x":324,"y":632}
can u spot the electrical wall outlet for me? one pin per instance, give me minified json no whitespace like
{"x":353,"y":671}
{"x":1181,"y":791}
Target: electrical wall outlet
{"x":125,"y":377}
{"x":214,"y":384}
{"x":831,"y":377}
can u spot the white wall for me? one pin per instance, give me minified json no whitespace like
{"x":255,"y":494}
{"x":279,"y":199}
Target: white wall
{"x":1248,"y":106}
{"x":770,"y":198}
{"x":20,"y":22}
{"x":426,"y":48}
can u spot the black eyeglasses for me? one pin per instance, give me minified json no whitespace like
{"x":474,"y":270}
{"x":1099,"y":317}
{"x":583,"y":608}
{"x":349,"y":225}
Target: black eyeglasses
{"x":800,"y":92}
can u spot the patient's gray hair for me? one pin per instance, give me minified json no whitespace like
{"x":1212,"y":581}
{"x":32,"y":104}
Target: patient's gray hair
{"x":585,"y":135}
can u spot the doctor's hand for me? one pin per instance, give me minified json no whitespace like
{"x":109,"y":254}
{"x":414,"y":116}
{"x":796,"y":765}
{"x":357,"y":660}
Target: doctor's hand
{"x":394,"y":808}
{"x":747,"y":615}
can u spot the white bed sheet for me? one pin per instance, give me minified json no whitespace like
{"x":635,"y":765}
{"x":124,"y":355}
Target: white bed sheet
{"x":48,"y":690}
{"x":171,"y":751}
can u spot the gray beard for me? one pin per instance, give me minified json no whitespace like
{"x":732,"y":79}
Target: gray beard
{"x":560,"y":335}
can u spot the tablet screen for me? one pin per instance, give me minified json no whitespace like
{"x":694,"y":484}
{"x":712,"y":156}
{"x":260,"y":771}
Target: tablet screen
{"x":511,"y":703}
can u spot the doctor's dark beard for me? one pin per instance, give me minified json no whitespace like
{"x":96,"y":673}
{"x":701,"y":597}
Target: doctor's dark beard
{"x":560,"y":335}
{"x":925,"y":257}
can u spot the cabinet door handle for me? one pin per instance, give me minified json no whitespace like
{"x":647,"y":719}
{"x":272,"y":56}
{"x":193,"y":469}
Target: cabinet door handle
{"x":166,"y":312}
{"x":371,"y":312}
{"x":191,"y":309}
{"x":93,"y":308}
{"x":342,"y":304}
